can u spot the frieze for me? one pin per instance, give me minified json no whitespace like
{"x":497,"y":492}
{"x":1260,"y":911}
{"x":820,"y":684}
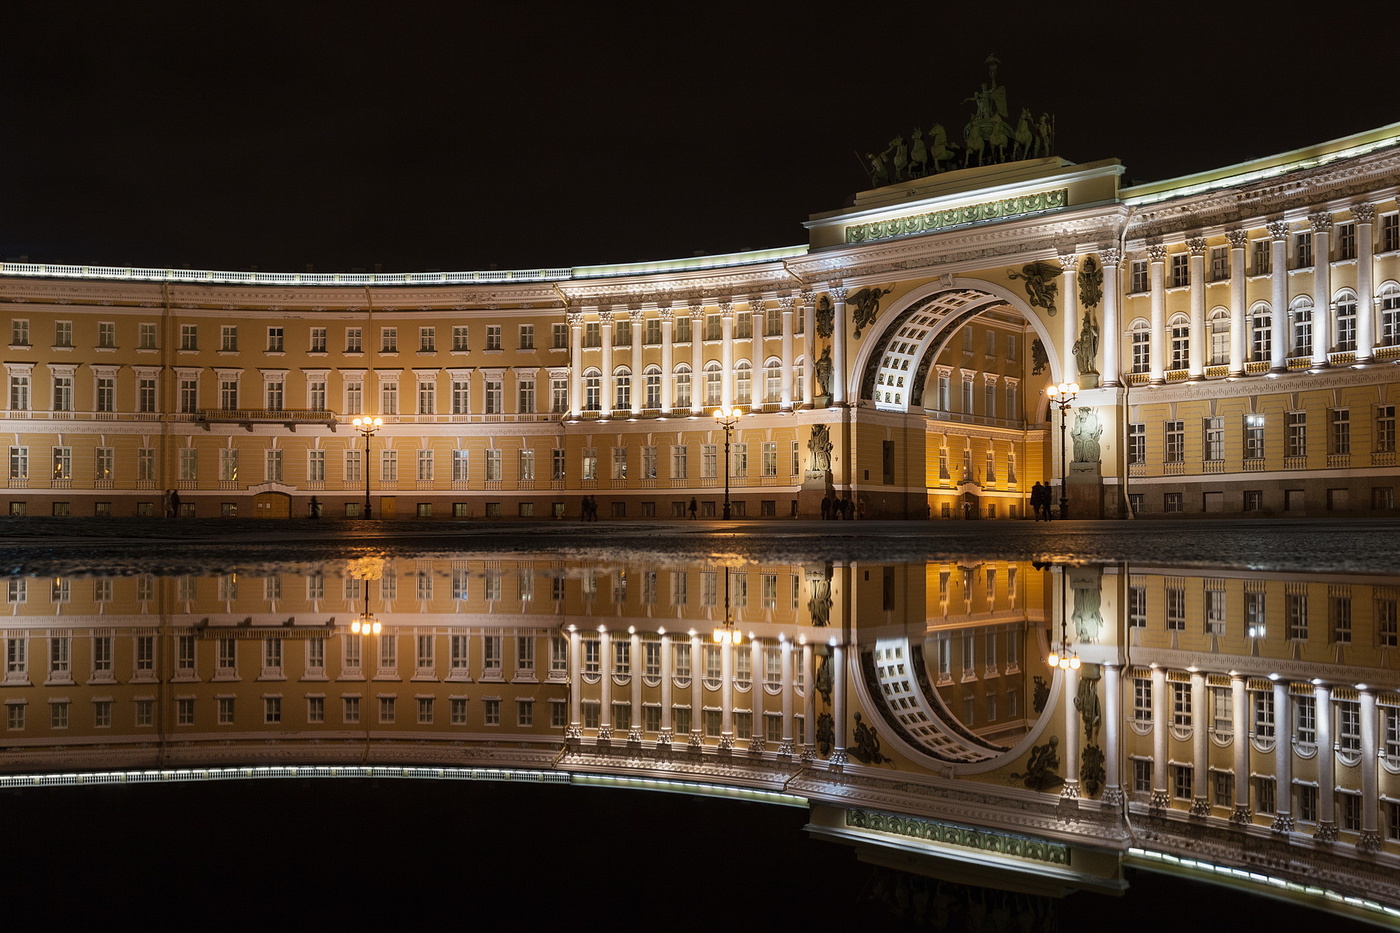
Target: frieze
{"x":985,"y":212}
{"x":966,"y":837}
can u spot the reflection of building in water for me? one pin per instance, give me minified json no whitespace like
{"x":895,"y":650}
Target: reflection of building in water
{"x":1246,"y":720}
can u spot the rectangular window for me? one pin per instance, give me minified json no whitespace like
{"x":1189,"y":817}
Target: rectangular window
{"x":1176,"y":608}
{"x":19,"y":392}
{"x":19,"y":333}
{"x":228,"y":338}
{"x":1297,"y":437}
{"x":389,"y":466}
{"x":106,"y":335}
{"x":63,"y":463}
{"x":276,"y":339}
{"x":228,"y":465}
{"x":525,"y":396}
{"x":493,"y":465}
{"x":1346,"y":241}
{"x":1302,"y":250}
{"x":1262,"y":256}
{"x":388,"y":340}
{"x":1219,"y":263}
{"x":63,"y":334}
{"x":495,"y":396}
{"x":1137,"y":276}
{"x":1137,"y":443}
{"x":317,"y":343}
{"x":559,"y":336}
{"x":1175,"y":441}
{"x":427,"y":397}
{"x":1295,"y":613}
{"x":1305,"y":720}
{"x":1214,"y":438}
{"x":1180,"y":270}
{"x":62,"y":393}
{"x":1254,"y":437}
{"x":493,"y":336}
{"x":1341,"y":430}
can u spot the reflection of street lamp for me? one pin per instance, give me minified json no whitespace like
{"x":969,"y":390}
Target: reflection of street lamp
{"x":1063,"y":396}
{"x":727,"y":420}
{"x":1061,"y":655}
{"x":727,"y":634}
{"x":367,"y":427}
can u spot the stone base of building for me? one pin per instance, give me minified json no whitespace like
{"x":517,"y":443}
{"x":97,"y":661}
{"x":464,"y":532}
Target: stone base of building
{"x":816,"y":485}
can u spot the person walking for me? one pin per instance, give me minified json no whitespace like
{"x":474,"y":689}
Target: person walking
{"x":693,"y":507}
{"x":174,"y":503}
{"x":826,"y":507}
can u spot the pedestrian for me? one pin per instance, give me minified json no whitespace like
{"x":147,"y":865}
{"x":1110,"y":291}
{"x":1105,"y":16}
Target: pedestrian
{"x":826,"y":507}
{"x":693,"y":507}
{"x":1037,"y":499}
{"x":174,"y":503}
{"x":315,"y":507}
{"x":967,"y":510}
{"x":848,"y":508}
{"x":165,"y":504}
{"x":860,"y":509}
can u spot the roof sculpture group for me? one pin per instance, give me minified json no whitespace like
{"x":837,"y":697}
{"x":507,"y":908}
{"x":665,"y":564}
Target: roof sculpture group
{"x":988,"y":138}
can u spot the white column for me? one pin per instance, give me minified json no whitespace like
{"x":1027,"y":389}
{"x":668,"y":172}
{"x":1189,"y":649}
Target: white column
{"x":1070,"y":678}
{"x":634,"y":729}
{"x":1113,"y":724}
{"x":668,"y":360}
{"x":1322,"y":286}
{"x":1326,"y":764}
{"x":785,"y":303}
{"x":1112,"y":333}
{"x":838,"y":348}
{"x":809,"y":706}
{"x":605,"y":678}
{"x":758,"y":734}
{"x":726,"y":359}
{"x":1159,"y":739}
{"x":697,"y":358}
{"x":809,"y":344}
{"x":1239,"y":326}
{"x":1239,"y":706}
{"x":838,"y":706}
{"x":1195,"y":357}
{"x":1157,"y":350}
{"x":638,"y":380}
{"x":1069,"y":324}
{"x":1283,"y":759}
{"x":1278,"y":294}
{"x":605,"y":328}
{"x":1365,"y":214}
{"x":575,"y":684}
{"x":1200,"y":764}
{"x":576,"y":401}
{"x":697,"y":694}
{"x":726,"y":693}
{"x":668,"y":723}
{"x":786,"y":748}
{"x":1370,"y":838}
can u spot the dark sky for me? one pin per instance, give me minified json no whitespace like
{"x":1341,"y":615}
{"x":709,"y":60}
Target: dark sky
{"x":460,"y":135}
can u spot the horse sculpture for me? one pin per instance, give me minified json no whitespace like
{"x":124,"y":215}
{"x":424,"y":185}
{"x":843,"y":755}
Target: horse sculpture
{"x":1024,"y":137}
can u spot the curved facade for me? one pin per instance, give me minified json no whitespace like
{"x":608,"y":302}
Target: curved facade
{"x":1231,"y":332}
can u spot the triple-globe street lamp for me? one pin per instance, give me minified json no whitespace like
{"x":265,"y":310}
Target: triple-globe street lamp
{"x":367,"y":426}
{"x":1063,"y":396}
{"x":727,"y":420}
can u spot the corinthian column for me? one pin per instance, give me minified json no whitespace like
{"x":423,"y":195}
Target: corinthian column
{"x":1195,"y":363}
{"x":697,"y":357}
{"x":605,"y":329}
{"x":638,"y":380}
{"x":1322,"y":287}
{"x":668,"y":359}
{"x":1238,"y":329}
{"x":1365,"y":278}
{"x":785,"y":303}
{"x":1069,"y":265}
{"x":1326,"y":766}
{"x":726,"y":319}
{"x":1370,"y":838}
{"x":1278,"y":294}
{"x":1200,"y":771}
{"x":838,"y":347}
{"x":1112,"y":342}
{"x":1239,"y":698}
{"x":1156,"y":352}
{"x":575,"y":319}
{"x":809,"y":343}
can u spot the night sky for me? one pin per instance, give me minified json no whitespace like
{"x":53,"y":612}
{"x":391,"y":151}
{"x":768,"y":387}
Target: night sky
{"x":464,"y":135}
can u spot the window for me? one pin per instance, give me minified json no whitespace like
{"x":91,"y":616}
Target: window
{"x":19,"y":333}
{"x":1180,"y":345}
{"x":1137,"y":276}
{"x":1176,"y":441}
{"x":493,"y":465}
{"x":1302,"y":250}
{"x":460,"y":396}
{"x":276,"y":339}
{"x":1390,"y":233}
{"x":1215,"y":438}
{"x":354,"y":340}
{"x":427,"y":339}
{"x":228,"y":465}
{"x":619,"y":463}
{"x":389,"y":398}
{"x":388,"y":340}
{"x":558,"y":395}
{"x":389,"y":466}
{"x":1254,"y":437}
{"x":146,"y":394}
{"x":1339,"y":615}
{"x":1140,"y":350}
{"x":1297,"y":435}
{"x":1261,"y":329}
{"x":228,"y":338}
{"x":145,"y":464}
{"x":495,"y":396}
{"x":622,"y":385}
{"x":1295,"y":612}
{"x":1219,"y":263}
{"x":527,"y":336}
{"x":19,"y":392}
{"x":1301,"y":314}
{"x":1346,"y":321}
{"x":275,"y":392}
{"x":62,"y":393}
{"x":1341,"y":431}
{"x":1176,"y":608}
{"x":63,"y":463}
{"x":1181,"y":270}
{"x":427,"y":396}
{"x":1348,"y":726}
{"x":318,"y":340}
{"x":560,"y":336}
{"x":1137,"y":607}
{"x":493,"y":336}
{"x":1385,"y":428}
{"x":526,"y":395}
{"x":106,"y":335}
{"x":1387,"y":621}
{"x":1181,"y":704}
{"x":683,"y":385}
{"x":1305,"y":720}
{"x":63,"y":334}
{"x":425,"y":465}
{"x":1255,"y":619}
{"x":105,"y":463}
{"x":1214,"y":600}
{"x":653,"y":387}
{"x":228,"y":392}
{"x":184,"y":711}
{"x":19,"y":463}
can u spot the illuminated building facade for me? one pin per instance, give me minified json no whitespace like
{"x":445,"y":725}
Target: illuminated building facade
{"x":1232,"y":335}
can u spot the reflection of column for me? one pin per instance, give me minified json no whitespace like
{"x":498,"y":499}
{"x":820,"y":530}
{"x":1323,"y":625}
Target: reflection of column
{"x":758,"y":734}
{"x":667,"y":672}
{"x":837,"y":660}
{"x":1326,"y":767}
{"x":697,"y":358}
{"x":1278,"y":296}
{"x":809,"y":343}
{"x":1283,"y":759}
{"x":1238,"y":329}
{"x":1195,"y":361}
{"x":726,"y":358}
{"x":1322,"y":287}
{"x":838,"y":346}
{"x":575,"y":685}
{"x":726,"y":694}
{"x":1370,"y":838}
{"x":605,"y":676}
{"x":1159,"y":739}
{"x":785,"y":303}
{"x":576,"y":401}
{"x":634,"y":719}
{"x":1069,"y":264}
{"x":1111,"y":333}
{"x":785,"y":749}
{"x":668,"y":359}
{"x":1239,"y":705}
{"x":697,"y":694}
{"x":1070,"y":676}
{"x":1156,"y":348}
{"x":1113,"y":701}
{"x":1200,"y":771}
{"x":809,"y":707}
{"x":605,"y":328}
{"x":1365,"y":296}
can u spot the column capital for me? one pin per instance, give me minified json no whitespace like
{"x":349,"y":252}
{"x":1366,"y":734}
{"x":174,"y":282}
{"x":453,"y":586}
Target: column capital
{"x":605,"y":315}
{"x":697,"y":308}
{"x":1368,"y":841}
{"x":1069,"y":262}
{"x":837,"y":291}
{"x":1282,"y":824}
{"x":575,"y":318}
{"x":667,"y":313}
{"x":1326,"y":832}
{"x":726,"y":308}
{"x":1157,"y":252}
{"x":1239,"y":239}
{"x":1197,"y":245}
{"x":786,"y":302}
{"x":1278,"y":229}
{"x":1110,"y":256}
{"x":1200,"y":807}
{"x":755,"y":303}
{"x":806,"y":296}
{"x":1321,"y":221}
{"x":1241,"y":815}
{"x":1364,"y":212}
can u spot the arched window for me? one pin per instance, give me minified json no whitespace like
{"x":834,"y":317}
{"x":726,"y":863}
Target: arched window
{"x":1218,"y":324}
{"x":773,"y":381}
{"x":592,"y":390}
{"x":1345,"y":304}
{"x":1389,"y":308}
{"x":1179,"y":329}
{"x":1300,"y":315}
{"x":653,"y":382}
{"x":799,"y":383}
{"x":743,"y":383}
{"x":1139,"y":350}
{"x":714,"y":383}
{"x":682,"y":386}
{"x":622,"y":388}
{"x":1261,"y":332}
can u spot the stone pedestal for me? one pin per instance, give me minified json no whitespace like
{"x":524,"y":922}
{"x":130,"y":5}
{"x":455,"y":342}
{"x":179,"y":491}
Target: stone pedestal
{"x":1085,"y":490}
{"x":816,"y":484}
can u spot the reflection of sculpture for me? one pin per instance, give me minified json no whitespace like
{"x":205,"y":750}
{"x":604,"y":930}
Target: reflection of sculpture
{"x":1040,"y":768}
{"x":823,"y":373}
{"x":824,"y":674}
{"x":1042,"y":286}
{"x":1086,"y":348}
{"x":819,"y":602}
{"x":867,"y":745}
{"x":819,"y":446}
{"x":1091,"y":770}
{"x":1086,"y":433}
{"x":1086,"y":700}
{"x":866,"y":305}
{"x":825,"y":316}
{"x":1039,"y":358}
{"x":1086,"y":616}
{"x":1042,"y":695}
{"x":826,"y":734}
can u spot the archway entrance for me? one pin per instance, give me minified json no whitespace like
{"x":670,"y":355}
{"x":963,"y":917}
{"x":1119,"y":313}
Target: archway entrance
{"x":272,"y":505}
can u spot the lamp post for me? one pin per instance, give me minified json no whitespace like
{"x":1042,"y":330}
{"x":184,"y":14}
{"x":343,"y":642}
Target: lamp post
{"x":1061,"y":654}
{"x":1063,"y":395}
{"x":367,"y":427}
{"x":727,"y":420}
{"x":727,"y":634}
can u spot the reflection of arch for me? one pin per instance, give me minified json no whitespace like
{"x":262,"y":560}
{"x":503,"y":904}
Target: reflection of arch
{"x":892,"y":366}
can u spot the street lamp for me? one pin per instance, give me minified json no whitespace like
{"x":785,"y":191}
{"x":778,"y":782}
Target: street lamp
{"x":367,"y":427}
{"x":727,"y":420}
{"x":1063,"y":395}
